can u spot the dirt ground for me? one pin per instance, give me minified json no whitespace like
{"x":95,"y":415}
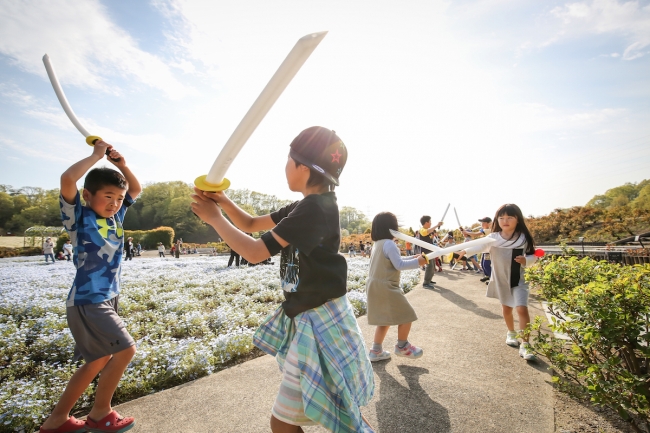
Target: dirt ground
{"x":572,"y":416}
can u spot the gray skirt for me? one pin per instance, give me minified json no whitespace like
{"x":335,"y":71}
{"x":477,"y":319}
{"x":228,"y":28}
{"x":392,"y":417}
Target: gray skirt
{"x":97,"y":330}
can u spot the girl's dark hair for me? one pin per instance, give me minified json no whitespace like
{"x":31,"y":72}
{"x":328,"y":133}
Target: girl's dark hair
{"x":315,"y":178}
{"x":381,"y":226}
{"x":513,"y":210}
{"x":97,"y":178}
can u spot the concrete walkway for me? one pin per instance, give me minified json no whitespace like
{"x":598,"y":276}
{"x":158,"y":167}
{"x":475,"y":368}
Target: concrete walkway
{"x":467,"y":381}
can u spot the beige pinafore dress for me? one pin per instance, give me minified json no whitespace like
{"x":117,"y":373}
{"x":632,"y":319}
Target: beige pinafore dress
{"x":387,"y":304}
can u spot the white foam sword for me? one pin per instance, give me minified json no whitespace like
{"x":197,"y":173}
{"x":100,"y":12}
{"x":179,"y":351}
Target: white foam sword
{"x":439,"y":252}
{"x":215,"y":179}
{"x":90,"y":139}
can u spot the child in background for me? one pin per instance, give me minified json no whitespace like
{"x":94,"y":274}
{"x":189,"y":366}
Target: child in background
{"x":387,"y":305}
{"x":512,"y":251}
{"x":314,"y":335}
{"x":48,"y":249}
{"x":101,"y":338}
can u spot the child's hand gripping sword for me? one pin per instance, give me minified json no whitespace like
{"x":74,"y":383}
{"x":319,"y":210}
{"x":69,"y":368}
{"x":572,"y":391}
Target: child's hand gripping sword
{"x":90,"y":139}
{"x":215,"y":180}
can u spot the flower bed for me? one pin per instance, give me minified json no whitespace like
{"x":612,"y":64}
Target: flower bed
{"x":189,"y":318}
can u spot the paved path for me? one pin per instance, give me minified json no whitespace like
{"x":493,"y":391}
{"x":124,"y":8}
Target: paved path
{"x":467,"y":381}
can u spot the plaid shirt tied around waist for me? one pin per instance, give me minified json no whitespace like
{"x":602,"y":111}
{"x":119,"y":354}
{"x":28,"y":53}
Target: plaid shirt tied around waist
{"x":327,"y":336}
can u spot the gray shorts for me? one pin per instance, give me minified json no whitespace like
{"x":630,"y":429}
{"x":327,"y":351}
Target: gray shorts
{"x":97,"y":330}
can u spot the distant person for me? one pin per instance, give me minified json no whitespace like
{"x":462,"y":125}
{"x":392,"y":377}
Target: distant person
{"x":68,"y":249}
{"x":408,"y":247}
{"x":60,"y":255}
{"x":512,"y":251}
{"x":138,"y":249}
{"x":427,"y":231}
{"x":128,"y":247}
{"x":48,"y":249}
{"x":161,"y":250}
{"x":484,"y":230}
{"x":387,"y":305}
{"x":179,"y":247}
{"x":100,"y":335}
{"x":362,"y":249}
{"x":351,"y":251}
{"x":233,"y":257}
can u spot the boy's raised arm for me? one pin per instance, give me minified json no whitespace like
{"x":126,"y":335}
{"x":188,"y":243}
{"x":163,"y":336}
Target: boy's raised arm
{"x":70,"y":177}
{"x":117,"y":159}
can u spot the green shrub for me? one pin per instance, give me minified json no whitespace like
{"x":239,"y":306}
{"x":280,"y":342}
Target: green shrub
{"x":137,"y":235}
{"x":607,"y":312}
{"x":160,"y":234}
{"x":63,"y":238}
{"x":22,"y":251}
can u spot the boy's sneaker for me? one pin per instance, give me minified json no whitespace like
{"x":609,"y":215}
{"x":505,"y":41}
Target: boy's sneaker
{"x":478,"y":271}
{"x":409,"y":351}
{"x":511,"y":339}
{"x":378,"y":356}
{"x":526,"y":352}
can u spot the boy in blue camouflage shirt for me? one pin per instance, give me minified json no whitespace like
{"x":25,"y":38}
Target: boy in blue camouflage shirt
{"x":101,"y":338}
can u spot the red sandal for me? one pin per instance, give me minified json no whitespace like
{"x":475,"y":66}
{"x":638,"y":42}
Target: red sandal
{"x":111,"y":423}
{"x":72,"y":425}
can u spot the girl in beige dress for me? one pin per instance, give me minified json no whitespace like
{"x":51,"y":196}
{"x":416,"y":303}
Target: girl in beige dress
{"x":387,"y":305}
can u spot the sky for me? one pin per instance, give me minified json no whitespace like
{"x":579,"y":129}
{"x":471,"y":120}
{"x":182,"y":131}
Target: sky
{"x":476,"y":103}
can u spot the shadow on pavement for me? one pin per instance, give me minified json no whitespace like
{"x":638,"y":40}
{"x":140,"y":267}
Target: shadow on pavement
{"x":465,"y":303}
{"x":407,"y":408}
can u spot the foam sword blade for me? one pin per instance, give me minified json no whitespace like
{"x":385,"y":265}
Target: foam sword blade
{"x":460,"y":247}
{"x":414,"y":241}
{"x":61,"y":96}
{"x":445,"y":214}
{"x":214,"y":180}
{"x":90,"y":139}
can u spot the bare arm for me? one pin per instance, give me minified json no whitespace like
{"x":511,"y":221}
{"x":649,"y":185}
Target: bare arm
{"x":434,"y":228}
{"x":134,"y":186}
{"x":253,"y":250}
{"x":238,"y":216}
{"x":71,"y":176}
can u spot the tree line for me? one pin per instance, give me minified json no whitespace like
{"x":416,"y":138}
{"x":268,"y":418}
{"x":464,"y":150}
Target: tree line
{"x":159,"y":204}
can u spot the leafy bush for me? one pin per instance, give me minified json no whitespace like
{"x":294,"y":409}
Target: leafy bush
{"x":604,"y":309}
{"x":17,"y":252}
{"x":63,"y":238}
{"x":151,"y":238}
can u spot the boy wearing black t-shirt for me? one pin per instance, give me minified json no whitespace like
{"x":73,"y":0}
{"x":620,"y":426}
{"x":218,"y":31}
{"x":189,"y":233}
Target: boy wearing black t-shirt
{"x":314,"y":334}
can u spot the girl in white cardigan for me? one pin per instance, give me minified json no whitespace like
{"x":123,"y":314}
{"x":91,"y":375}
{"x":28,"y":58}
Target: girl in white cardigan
{"x":511,"y":252}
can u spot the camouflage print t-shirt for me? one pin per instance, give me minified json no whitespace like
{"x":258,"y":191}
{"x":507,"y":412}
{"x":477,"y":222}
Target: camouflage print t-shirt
{"x":98,"y":246}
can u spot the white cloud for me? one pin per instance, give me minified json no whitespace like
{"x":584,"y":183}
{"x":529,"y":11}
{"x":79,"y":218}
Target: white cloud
{"x":630,"y":19}
{"x":86,"y":48}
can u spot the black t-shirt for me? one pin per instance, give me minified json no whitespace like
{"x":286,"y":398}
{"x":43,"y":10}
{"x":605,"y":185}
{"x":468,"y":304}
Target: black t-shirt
{"x":311,"y":269}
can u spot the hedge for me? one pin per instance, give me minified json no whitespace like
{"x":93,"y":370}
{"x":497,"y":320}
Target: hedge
{"x":604,"y":309}
{"x":149,"y":239}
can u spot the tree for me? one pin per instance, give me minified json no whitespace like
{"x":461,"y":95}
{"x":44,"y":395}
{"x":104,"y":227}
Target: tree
{"x":353,"y":220}
{"x":642,"y":202}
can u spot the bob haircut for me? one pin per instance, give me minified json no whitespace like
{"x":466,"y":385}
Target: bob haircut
{"x":512,"y":210}
{"x":381,"y":226}
{"x":98,"y":178}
